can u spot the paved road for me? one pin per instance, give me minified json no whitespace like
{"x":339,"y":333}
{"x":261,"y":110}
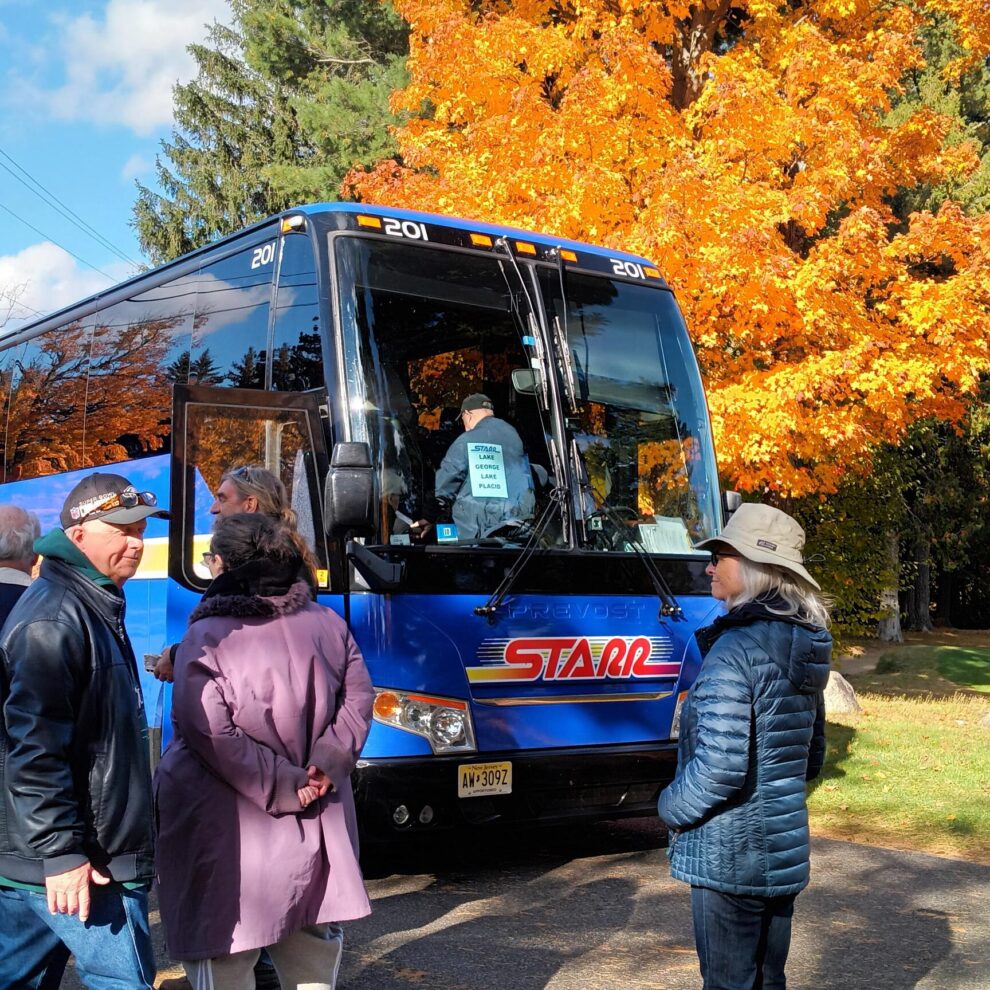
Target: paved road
{"x":594,"y":907}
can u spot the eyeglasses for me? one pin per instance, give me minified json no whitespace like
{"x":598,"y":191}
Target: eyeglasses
{"x":208,"y":558}
{"x":718,"y":555}
{"x":125,"y":500}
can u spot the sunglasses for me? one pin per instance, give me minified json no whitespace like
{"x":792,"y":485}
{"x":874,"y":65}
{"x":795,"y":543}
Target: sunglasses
{"x":718,"y":555}
{"x":126,"y":500}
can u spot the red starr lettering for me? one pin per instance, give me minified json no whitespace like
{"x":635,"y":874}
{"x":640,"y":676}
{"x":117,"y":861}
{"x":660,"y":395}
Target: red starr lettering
{"x":615,"y":650}
{"x":526,"y":653}
{"x":579,"y":663}
{"x":639,"y":657}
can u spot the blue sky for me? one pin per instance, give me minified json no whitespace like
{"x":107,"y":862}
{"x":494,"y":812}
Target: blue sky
{"x":85,"y":99}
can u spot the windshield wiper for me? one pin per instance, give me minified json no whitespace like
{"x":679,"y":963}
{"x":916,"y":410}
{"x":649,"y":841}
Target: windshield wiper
{"x":498,"y":596}
{"x":560,"y":336}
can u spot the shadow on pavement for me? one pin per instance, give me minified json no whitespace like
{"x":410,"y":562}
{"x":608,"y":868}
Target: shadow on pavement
{"x":589,"y":907}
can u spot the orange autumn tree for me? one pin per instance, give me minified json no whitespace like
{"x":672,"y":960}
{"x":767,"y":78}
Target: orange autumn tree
{"x":744,"y":148}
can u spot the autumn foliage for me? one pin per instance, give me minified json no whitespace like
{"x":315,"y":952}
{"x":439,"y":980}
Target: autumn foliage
{"x":746,"y":150}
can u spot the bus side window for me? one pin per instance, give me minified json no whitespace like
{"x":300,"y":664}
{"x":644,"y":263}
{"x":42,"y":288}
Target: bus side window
{"x":297,"y":363}
{"x":230,"y":332}
{"x":141,"y":347}
{"x":8,"y":370}
{"x":45,"y":433}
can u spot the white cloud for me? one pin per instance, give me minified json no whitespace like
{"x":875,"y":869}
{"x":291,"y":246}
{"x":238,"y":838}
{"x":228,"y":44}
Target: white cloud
{"x":120,"y":66}
{"x":43,"y":278}
{"x":134,"y":166}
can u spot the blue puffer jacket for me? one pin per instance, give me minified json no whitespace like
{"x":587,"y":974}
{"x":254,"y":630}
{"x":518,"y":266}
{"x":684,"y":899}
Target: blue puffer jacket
{"x":752,"y":732}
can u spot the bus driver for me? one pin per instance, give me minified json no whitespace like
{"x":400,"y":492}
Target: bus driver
{"x":486,"y":474}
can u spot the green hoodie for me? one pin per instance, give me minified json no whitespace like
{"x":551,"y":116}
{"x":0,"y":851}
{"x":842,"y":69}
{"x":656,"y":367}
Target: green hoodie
{"x":56,"y":544}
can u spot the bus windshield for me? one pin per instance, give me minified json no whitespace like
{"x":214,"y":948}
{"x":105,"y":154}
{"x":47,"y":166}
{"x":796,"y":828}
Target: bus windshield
{"x":641,"y":427}
{"x":424,"y":329}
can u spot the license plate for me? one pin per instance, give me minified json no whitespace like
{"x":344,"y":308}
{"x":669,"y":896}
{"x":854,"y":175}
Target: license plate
{"x":482,"y":779}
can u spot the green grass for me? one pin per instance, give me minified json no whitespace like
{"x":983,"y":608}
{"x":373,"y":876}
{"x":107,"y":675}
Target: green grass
{"x":928,"y":669}
{"x":909,"y":773}
{"x":967,"y":666}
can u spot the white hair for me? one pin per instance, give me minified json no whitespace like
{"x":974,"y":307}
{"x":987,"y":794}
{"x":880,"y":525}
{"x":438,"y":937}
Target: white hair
{"x":18,"y":531}
{"x":765,"y":581}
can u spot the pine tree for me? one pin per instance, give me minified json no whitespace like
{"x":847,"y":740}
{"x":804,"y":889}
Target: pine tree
{"x":249,"y":372}
{"x":202,"y":371}
{"x":287,"y":99}
{"x":340,"y":60}
{"x":961,"y":98}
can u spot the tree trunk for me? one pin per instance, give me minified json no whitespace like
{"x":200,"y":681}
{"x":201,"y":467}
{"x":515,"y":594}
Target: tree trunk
{"x":889,"y":630}
{"x":945,"y":586}
{"x":693,"y":38}
{"x":919,"y":612}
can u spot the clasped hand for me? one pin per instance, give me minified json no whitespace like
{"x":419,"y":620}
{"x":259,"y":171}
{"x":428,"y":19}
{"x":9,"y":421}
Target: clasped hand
{"x":318,"y":786}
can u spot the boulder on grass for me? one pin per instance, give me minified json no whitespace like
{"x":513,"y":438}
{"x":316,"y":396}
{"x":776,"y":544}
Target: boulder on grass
{"x":839,"y":695}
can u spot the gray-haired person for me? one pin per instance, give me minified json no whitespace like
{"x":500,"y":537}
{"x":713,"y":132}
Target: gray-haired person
{"x":752,"y":734}
{"x":76,"y":842}
{"x":18,"y":531}
{"x":485,"y":475}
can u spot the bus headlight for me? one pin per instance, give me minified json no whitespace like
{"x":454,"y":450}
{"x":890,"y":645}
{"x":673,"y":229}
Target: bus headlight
{"x":445,"y":722}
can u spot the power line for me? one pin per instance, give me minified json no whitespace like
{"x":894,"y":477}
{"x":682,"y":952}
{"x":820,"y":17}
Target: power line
{"x":50,"y":199}
{"x":16,"y":302}
{"x":56,"y":243}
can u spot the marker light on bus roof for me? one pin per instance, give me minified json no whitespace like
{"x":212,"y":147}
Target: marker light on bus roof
{"x":523,"y":248}
{"x":568,"y":255}
{"x":365,"y":221}
{"x":293,"y":223}
{"x":481,"y":240}
{"x":650,"y":272}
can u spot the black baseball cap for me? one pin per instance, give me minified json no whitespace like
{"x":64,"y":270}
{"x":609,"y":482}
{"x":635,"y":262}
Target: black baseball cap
{"x":477,"y":401}
{"x":111,"y":498}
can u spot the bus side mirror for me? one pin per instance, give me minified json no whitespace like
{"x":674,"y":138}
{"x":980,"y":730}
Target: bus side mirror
{"x":349,"y":496}
{"x":730,"y":502}
{"x":526,"y":381}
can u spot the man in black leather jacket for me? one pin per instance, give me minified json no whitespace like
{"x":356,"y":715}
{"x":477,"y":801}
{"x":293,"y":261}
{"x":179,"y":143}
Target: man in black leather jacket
{"x":76,"y":842}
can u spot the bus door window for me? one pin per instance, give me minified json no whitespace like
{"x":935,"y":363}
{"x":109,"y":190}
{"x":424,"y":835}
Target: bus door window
{"x":223,"y":433}
{"x":423,"y":329}
{"x":45,"y":411}
{"x":641,"y":426}
{"x":297,"y":354}
{"x":230,"y":333}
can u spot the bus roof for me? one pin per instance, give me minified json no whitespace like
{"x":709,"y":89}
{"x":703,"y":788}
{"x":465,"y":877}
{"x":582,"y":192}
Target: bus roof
{"x":317,"y":209}
{"x":462,"y":223}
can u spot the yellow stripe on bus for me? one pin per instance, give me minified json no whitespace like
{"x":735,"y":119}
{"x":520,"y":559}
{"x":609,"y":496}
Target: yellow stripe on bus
{"x":154,"y":562}
{"x":481,"y":674}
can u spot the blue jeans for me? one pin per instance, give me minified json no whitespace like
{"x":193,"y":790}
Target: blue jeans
{"x":112,"y":950}
{"x":742,"y":942}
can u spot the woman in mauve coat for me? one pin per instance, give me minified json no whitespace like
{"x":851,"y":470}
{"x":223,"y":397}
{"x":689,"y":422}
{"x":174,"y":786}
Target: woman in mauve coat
{"x":257,"y":837}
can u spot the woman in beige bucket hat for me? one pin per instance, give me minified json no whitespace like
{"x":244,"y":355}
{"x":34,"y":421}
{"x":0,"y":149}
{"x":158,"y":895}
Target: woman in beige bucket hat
{"x":752,"y":733}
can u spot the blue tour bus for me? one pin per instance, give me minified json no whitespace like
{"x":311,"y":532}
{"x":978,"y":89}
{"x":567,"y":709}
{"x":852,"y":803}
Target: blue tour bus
{"x":531,"y":674}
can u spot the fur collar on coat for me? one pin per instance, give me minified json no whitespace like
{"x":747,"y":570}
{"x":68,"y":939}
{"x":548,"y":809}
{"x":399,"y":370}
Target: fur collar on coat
{"x":242,"y":606}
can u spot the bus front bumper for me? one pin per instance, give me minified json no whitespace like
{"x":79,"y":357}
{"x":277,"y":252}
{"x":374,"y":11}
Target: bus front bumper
{"x":416,"y":793}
